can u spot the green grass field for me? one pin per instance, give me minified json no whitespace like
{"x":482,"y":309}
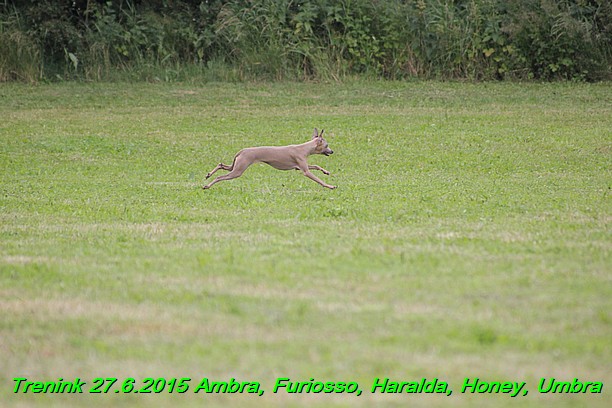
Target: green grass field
{"x":469,"y":236}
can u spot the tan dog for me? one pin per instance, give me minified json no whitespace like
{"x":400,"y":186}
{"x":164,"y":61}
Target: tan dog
{"x":292,"y":157}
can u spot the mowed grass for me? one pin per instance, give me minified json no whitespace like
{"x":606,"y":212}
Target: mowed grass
{"x":469,"y":236}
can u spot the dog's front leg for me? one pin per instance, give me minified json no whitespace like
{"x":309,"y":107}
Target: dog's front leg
{"x":305,"y":169}
{"x":315,"y":167}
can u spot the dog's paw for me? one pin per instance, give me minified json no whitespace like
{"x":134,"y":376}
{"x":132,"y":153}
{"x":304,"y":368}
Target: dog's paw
{"x":331,"y":187}
{"x":205,"y":187}
{"x":208,"y":175}
{"x":327,"y":173}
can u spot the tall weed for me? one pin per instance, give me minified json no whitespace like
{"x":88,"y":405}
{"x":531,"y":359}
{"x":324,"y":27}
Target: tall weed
{"x":20,"y":58}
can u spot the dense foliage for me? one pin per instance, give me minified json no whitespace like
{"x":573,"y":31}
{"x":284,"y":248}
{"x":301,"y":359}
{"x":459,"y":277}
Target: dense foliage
{"x":305,"y":39}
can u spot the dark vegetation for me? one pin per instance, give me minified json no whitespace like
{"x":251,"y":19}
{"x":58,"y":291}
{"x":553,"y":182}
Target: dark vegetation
{"x":165,"y":40}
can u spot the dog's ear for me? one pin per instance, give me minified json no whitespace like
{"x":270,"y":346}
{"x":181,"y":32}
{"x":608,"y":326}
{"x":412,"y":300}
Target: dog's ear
{"x":315,"y":134}
{"x":320,"y":139}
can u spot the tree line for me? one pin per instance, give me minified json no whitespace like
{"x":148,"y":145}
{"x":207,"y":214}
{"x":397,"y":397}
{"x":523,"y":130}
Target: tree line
{"x":238,"y":40}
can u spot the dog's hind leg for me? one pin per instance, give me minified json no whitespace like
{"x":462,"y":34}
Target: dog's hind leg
{"x":238,"y":167}
{"x":220,"y":166}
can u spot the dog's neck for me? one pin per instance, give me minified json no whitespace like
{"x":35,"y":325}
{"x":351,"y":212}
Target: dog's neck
{"x":309,"y":147}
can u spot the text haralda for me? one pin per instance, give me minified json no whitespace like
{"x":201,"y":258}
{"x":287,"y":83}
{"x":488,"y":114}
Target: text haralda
{"x":424,"y":386}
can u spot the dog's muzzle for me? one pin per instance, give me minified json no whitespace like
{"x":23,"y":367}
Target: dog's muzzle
{"x":328,"y":152}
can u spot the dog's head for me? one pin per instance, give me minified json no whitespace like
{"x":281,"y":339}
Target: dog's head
{"x":322,"y":146}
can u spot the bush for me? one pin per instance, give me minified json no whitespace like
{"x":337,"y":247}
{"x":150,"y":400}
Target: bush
{"x":561,"y":39}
